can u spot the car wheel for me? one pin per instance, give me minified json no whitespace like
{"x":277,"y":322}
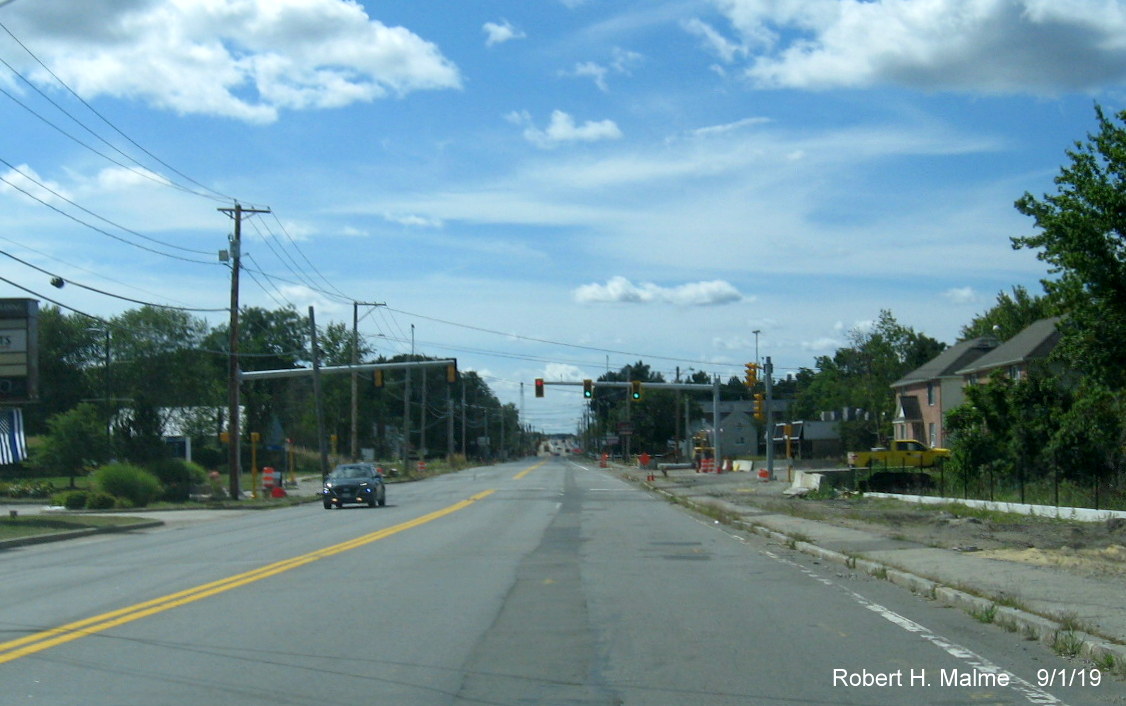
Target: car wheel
{"x":382,"y":500}
{"x":328,"y":505}
{"x":371,"y":501}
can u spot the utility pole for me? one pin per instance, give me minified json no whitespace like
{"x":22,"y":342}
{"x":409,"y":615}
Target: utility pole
{"x":234,"y":459}
{"x":768,"y":371}
{"x":449,"y":422}
{"x":318,"y":401}
{"x":407,"y":411}
{"x":356,"y":376}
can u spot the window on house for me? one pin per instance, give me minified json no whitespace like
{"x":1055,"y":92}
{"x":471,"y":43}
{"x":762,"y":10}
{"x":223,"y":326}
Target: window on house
{"x":932,"y":434}
{"x":930,"y":394}
{"x":1014,"y":372}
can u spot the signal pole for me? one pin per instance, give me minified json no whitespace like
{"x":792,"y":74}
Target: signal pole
{"x":355,"y":449}
{"x":233,"y":367}
{"x":768,"y":371}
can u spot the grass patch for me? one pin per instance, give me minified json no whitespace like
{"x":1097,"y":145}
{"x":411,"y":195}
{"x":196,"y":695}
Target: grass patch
{"x":1066,"y":643}
{"x":18,"y":527}
{"x":985,"y":615}
{"x":1071,"y":622}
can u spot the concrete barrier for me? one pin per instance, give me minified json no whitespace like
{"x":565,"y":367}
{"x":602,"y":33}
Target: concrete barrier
{"x":804,"y":482}
{"x":1081,"y":514}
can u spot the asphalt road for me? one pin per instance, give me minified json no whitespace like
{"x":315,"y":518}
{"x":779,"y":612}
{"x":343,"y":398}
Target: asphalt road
{"x":540,"y":582}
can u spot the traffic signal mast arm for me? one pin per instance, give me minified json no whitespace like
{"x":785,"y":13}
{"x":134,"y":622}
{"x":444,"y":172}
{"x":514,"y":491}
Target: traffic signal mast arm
{"x":450,"y":365}
{"x":644,"y":385}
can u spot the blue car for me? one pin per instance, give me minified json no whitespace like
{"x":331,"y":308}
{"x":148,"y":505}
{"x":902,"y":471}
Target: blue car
{"x":354,"y":483}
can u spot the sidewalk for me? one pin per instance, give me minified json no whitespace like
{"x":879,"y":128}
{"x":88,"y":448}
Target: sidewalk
{"x":1053,"y":603}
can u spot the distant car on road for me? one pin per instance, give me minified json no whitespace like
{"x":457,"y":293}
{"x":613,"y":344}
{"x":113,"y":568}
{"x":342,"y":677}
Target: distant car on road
{"x":354,"y":483}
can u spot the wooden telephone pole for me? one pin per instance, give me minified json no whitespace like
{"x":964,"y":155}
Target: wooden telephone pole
{"x":233,"y":366}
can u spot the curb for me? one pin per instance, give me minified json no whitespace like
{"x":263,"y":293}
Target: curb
{"x":75,"y":534}
{"x":1060,"y":638}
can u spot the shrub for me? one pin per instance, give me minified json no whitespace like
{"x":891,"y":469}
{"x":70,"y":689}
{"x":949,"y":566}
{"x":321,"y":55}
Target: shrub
{"x":127,"y":482}
{"x":100,"y":501}
{"x":31,"y":489}
{"x":71,"y":499}
{"x":178,"y":476}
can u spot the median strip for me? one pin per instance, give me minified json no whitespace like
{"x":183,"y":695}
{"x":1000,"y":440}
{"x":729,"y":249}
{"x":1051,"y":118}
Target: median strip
{"x":37,"y":642}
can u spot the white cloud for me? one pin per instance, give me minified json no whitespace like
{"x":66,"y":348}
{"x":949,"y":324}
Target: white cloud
{"x":727,"y":50}
{"x":246,"y":59}
{"x":822,"y":345}
{"x":499,"y":33}
{"x":621,"y":290}
{"x":729,"y":127}
{"x":563,"y":128}
{"x":622,"y":63}
{"x":1038,"y":46}
{"x":563,"y":372}
{"x":960,"y":295}
{"x":23,"y":182}
{"x":413,"y":220}
{"x":115,"y":179}
{"x":593,"y":70}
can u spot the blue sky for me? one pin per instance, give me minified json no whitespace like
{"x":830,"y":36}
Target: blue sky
{"x":547,"y":188}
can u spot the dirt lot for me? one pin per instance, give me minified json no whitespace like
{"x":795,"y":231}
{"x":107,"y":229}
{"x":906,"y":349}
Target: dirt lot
{"x":1090,"y":548}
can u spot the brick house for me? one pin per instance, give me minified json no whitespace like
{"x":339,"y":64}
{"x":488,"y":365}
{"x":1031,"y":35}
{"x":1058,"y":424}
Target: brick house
{"x":1013,"y":357}
{"x":924,"y":395}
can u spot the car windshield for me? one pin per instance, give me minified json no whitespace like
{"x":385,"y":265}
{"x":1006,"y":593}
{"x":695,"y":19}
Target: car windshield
{"x":344,"y":472}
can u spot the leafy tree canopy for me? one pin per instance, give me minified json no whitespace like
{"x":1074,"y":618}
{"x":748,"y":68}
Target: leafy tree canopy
{"x":1081,"y":230}
{"x":1009,"y":316}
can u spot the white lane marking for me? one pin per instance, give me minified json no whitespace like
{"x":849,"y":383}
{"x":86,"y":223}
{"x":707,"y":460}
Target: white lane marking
{"x":975,"y":661}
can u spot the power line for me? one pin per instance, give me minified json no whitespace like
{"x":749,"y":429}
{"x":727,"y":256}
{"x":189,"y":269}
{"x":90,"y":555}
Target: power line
{"x":99,"y":291}
{"x":76,"y":267}
{"x":94,"y":228}
{"x":641,"y":356}
{"x":215,"y":195}
{"x":56,"y":303}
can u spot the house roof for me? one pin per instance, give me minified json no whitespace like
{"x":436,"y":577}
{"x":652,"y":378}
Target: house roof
{"x":950,"y":361}
{"x":1033,"y":343}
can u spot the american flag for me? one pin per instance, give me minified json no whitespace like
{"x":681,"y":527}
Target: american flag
{"x":13,"y":444}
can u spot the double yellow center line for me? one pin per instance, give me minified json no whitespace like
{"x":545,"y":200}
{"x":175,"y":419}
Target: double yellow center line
{"x":37,"y":642}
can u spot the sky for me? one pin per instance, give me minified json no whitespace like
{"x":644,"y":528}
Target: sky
{"x":547,"y":188}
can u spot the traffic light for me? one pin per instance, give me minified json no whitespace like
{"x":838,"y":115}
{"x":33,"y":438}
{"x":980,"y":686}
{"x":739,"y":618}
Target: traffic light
{"x":759,"y":404}
{"x":451,"y":373}
{"x":752,"y":375}
{"x":588,"y":389}
{"x":635,"y":389}
{"x":378,"y":378}
{"x":539,"y":387}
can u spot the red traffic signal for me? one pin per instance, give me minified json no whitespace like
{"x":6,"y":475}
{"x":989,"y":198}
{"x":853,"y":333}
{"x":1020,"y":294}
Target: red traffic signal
{"x":539,"y":387}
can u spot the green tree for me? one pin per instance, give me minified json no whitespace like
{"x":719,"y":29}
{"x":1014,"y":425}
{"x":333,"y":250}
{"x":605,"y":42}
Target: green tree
{"x":1010,"y":315}
{"x":861,"y":374}
{"x":75,"y":441}
{"x":268,"y":340}
{"x":71,"y":366}
{"x":1082,"y":237}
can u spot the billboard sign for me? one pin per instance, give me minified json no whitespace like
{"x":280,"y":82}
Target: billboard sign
{"x":19,"y":350}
